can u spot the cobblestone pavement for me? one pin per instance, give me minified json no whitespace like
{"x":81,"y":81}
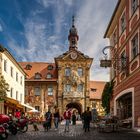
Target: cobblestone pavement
{"x":76,"y":132}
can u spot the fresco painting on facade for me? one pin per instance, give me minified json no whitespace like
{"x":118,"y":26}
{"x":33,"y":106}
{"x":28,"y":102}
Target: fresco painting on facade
{"x":63,"y":83}
{"x":124,"y":43}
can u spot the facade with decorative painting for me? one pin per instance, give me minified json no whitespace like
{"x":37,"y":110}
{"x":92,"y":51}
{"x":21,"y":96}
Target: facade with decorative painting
{"x":73,"y":76}
{"x":40,"y":85}
{"x":124,"y":34}
{"x":62,"y":84}
{"x":96,"y":90}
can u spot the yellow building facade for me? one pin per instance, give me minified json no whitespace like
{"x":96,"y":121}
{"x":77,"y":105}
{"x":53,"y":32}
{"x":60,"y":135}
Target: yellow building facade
{"x":73,"y":76}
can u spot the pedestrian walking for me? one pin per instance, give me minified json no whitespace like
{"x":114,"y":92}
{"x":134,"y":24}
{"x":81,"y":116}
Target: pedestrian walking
{"x":87,"y":119}
{"x":56,"y":118}
{"x":67,"y":117}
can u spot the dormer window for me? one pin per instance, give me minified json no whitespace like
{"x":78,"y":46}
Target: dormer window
{"x":93,"y":89}
{"x":50,"y":67}
{"x":38,"y":75}
{"x":28,"y":67}
{"x":49,"y":75}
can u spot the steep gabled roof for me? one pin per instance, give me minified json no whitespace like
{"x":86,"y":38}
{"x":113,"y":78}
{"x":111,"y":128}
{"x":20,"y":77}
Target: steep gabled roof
{"x":41,"y":68}
{"x":96,"y":89}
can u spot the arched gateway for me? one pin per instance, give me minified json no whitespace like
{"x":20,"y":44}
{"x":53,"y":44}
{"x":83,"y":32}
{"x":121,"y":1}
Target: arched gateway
{"x":75,"y":105}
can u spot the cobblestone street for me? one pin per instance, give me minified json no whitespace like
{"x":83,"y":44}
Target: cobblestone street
{"x":76,"y":132}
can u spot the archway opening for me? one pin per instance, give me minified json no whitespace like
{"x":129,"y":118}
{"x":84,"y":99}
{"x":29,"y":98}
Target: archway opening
{"x":124,"y":108}
{"x":75,"y":106}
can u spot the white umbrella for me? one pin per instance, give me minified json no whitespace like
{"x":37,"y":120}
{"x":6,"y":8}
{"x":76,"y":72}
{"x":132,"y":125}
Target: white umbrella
{"x":33,"y":111}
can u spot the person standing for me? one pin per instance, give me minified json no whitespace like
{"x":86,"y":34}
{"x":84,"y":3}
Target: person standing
{"x":67,"y":117}
{"x":56,"y":118}
{"x":73,"y":118}
{"x":87,"y":119}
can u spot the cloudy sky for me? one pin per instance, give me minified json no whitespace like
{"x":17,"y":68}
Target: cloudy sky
{"x":37,"y":30}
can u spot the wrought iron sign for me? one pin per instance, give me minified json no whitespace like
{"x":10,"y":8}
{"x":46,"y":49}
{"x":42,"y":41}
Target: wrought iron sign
{"x":115,"y":62}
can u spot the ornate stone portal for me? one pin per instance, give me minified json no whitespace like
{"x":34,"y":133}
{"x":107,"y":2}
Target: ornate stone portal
{"x":73,"y":76}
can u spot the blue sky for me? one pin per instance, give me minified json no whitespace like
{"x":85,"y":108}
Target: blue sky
{"x":37,"y":30}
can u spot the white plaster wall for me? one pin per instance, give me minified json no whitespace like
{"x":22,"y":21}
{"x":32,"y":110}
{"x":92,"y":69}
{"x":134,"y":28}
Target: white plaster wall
{"x":12,"y":80}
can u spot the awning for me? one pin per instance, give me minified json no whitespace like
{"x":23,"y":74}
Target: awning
{"x":29,"y":107}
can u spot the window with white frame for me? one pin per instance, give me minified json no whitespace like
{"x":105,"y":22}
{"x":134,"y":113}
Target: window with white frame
{"x":5,"y":65}
{"x":80,"y":88}
{"x":67,"y":88}
{"x":16,"y":76}
{"x":134,"y":5}
{"x":123,"y":22}
{"x":16,"y":95}
{"x":134,"y":47}
{"x":21,"y":97}
{"x":37,"y":91}
{"x":11,"y":69}
{"x":37,"y":75}
{"x":49,"y":75}
{"x":11,"y":92}
{"x":50,"y":90}
{"x":67,"y":72}
{"x":80,"y":72}
{"x":21,"y":80}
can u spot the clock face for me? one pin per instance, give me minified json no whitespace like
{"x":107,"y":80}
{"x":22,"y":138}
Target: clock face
{"x":73,"y":55}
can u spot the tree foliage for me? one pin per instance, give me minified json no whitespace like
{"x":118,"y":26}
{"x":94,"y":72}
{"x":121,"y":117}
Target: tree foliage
{"x":4,"y":87}
{"x":107,"y":95}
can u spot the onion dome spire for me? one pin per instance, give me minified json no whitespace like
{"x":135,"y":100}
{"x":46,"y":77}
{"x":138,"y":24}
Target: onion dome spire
{"x":73,"y":36}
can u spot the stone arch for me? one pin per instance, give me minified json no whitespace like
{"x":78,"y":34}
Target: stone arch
{"x":76,"y":105}
{"x":121,"y":94}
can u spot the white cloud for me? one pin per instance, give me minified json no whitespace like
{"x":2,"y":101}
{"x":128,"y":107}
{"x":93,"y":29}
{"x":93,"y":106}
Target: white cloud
{"x":91,"y":21}
{"x":91,"y":24}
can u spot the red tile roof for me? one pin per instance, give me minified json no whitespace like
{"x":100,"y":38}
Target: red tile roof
{"x":96,"y":89}
{"x":41,"y":68}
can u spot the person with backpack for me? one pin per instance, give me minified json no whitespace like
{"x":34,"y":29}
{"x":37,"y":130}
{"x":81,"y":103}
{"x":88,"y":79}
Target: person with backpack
{"x":67,"y":117}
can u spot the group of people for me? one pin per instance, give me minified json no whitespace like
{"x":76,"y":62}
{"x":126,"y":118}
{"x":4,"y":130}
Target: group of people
{"x":68,"y":116}
{"x":57,"y":118}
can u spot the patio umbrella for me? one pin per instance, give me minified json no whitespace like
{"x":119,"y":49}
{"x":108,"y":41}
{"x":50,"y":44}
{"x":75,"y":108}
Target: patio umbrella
{"x":33,"y":111}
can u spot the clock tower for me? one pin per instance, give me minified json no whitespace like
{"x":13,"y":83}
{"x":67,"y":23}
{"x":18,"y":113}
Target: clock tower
{"x":73,"y":76}
{"x":73,"y":36}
